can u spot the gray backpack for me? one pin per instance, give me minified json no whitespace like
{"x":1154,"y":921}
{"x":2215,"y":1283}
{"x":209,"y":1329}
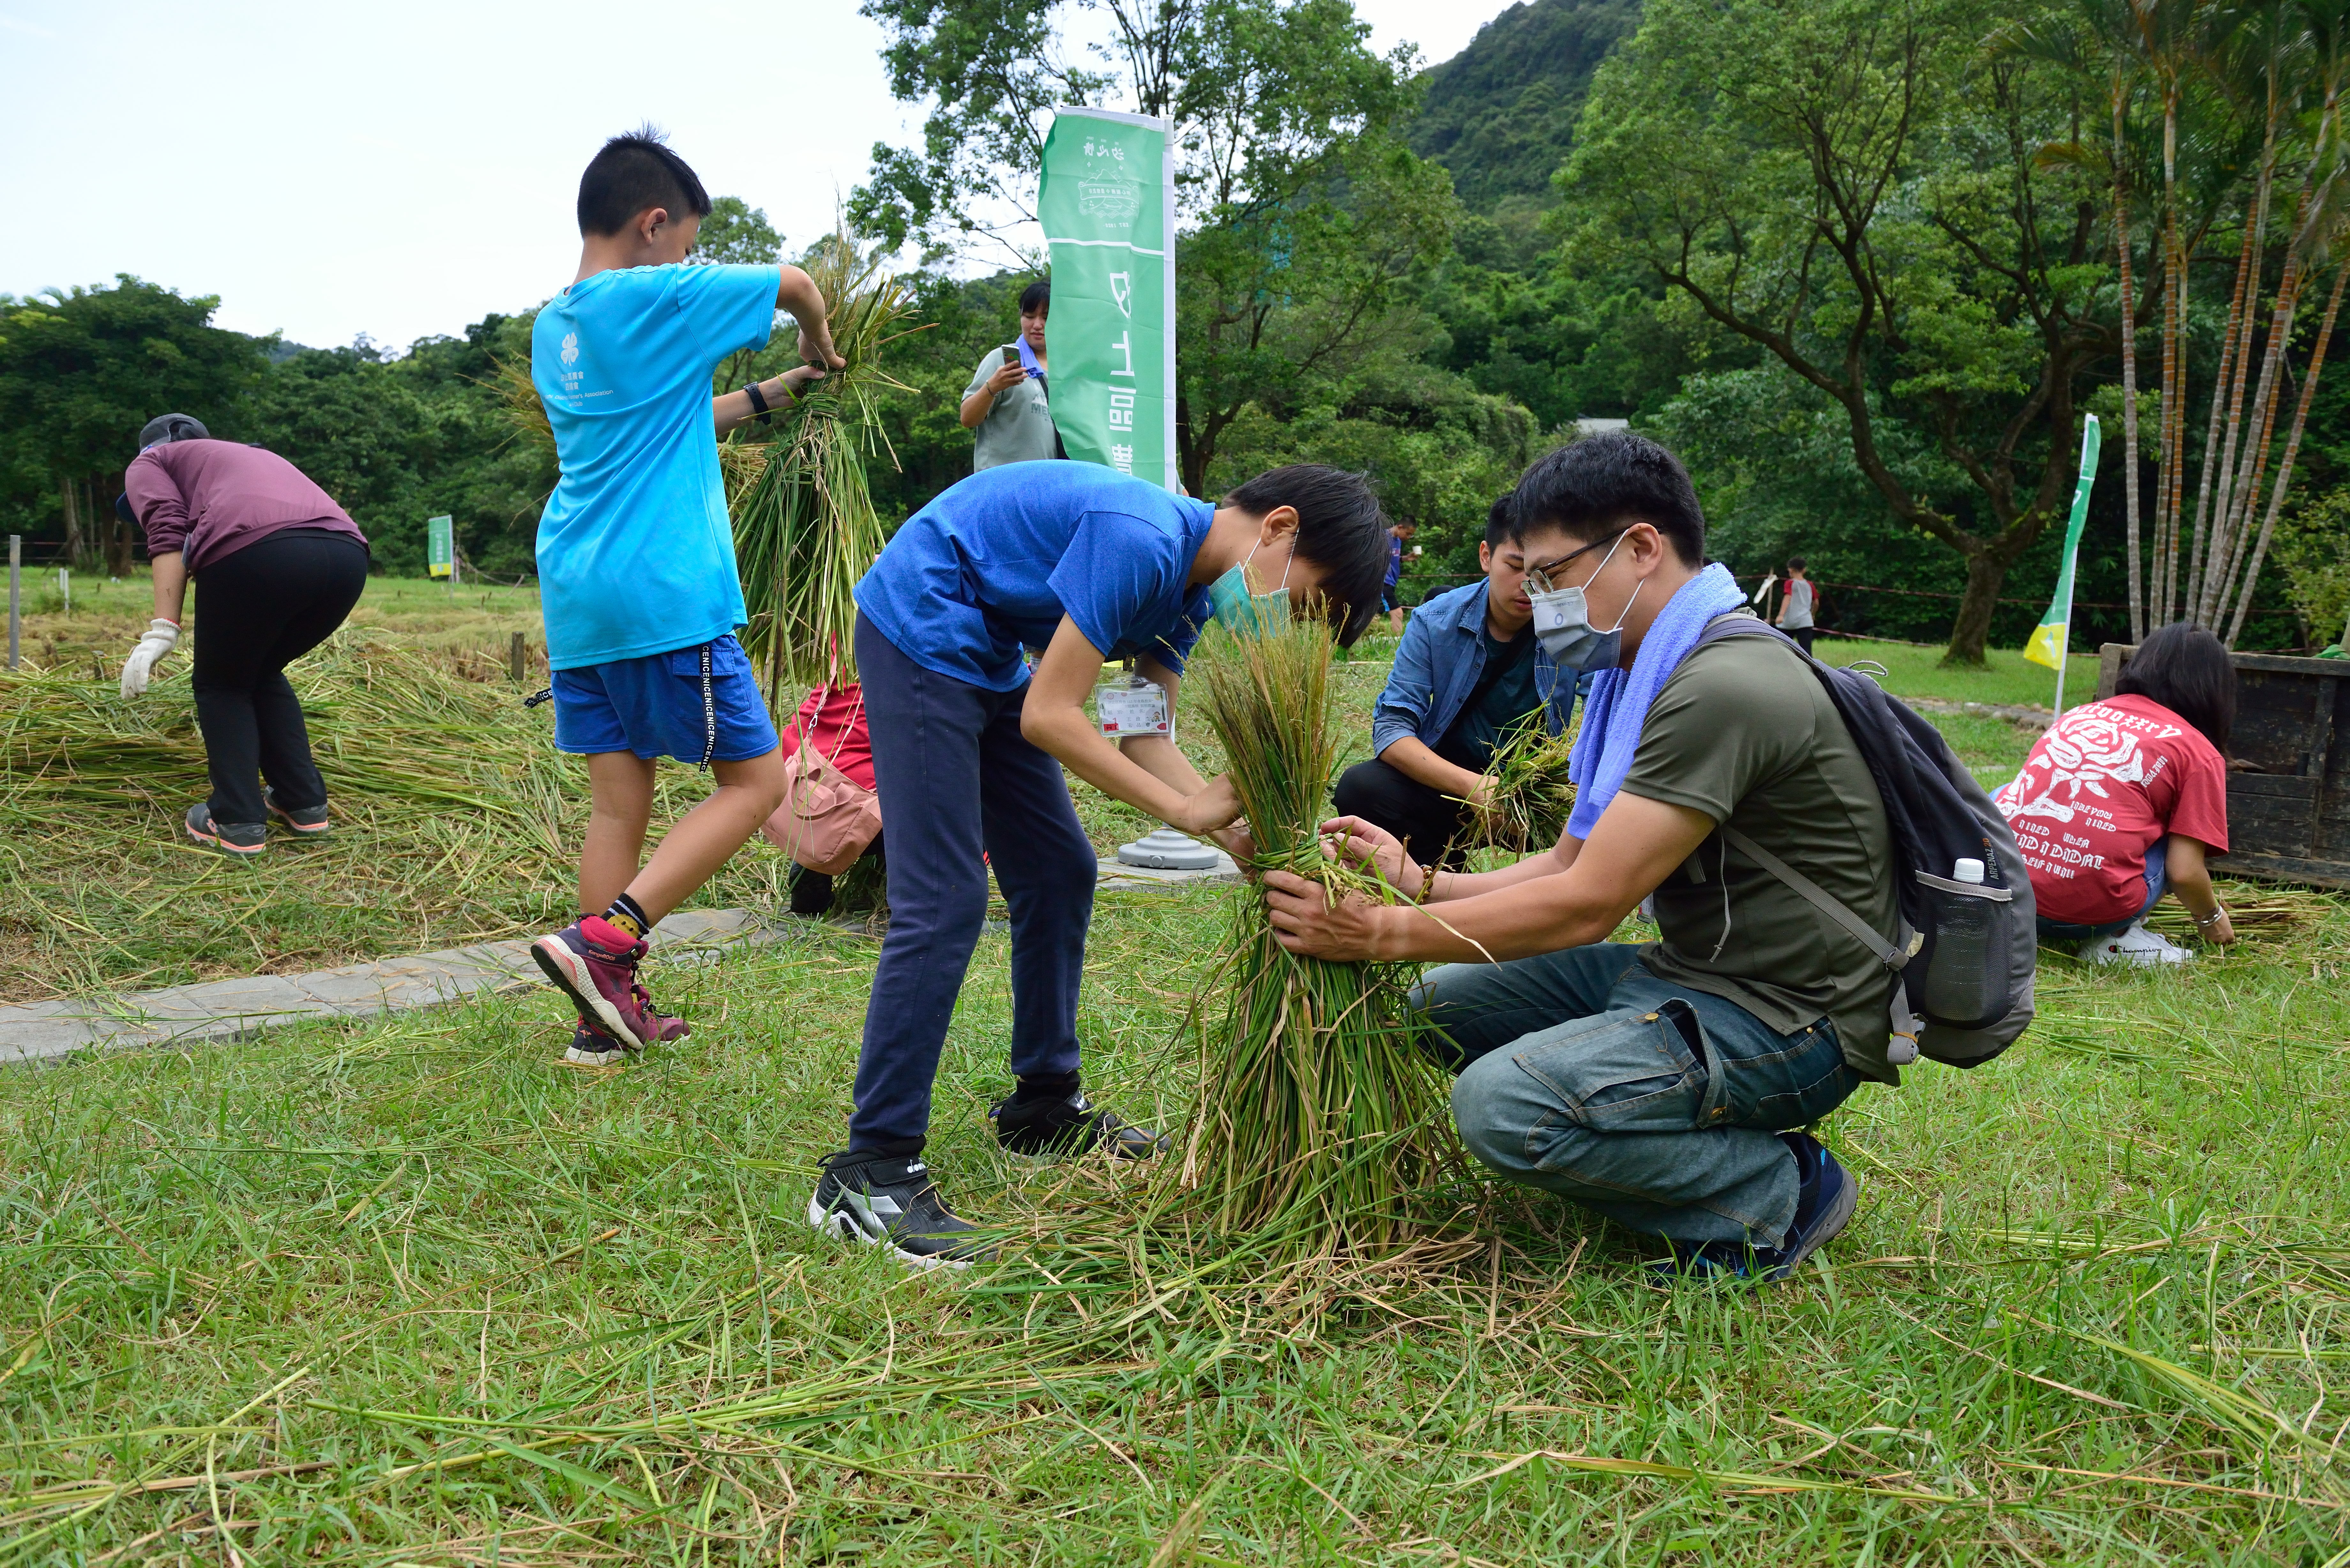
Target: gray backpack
{"x":1966,"y":949}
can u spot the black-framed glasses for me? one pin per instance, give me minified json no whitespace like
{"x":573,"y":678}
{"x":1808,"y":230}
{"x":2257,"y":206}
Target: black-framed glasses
{"x":1542,"y":573}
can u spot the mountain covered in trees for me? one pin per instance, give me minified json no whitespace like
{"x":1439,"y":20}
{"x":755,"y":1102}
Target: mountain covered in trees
{"x":1860,"y":269}
{"x":1500,"y":115}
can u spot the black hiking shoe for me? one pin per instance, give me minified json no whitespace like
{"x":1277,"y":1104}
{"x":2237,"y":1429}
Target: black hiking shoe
{"x":890,"y":1200}
{"x":1067,"y":1123}
{"x":238,"y":840}
{"x":1825,"y":1197}
{"x":309,"y":822}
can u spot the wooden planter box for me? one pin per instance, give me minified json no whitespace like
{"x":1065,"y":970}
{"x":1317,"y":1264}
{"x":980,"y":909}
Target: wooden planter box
{"x":2289,"y":768}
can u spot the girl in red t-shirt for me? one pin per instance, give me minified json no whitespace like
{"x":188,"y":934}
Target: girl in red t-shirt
{"x":2123,"y":799}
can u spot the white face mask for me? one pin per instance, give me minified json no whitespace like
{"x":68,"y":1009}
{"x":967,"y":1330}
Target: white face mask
{"x":1563,"y":623}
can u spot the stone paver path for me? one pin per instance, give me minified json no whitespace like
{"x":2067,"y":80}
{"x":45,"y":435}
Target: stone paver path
{"x":229,"y":1009}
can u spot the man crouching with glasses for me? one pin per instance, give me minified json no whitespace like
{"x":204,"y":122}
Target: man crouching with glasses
{"x":1664,"y":1086}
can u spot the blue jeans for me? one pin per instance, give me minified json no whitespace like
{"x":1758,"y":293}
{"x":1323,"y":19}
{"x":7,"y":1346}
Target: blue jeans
{"x":2157,"y":873}
{"x":1583,"y":1074}
{"x":956,"y":777}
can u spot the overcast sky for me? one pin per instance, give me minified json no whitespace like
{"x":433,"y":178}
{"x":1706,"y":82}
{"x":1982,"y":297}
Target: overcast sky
{"x":398,"y":170}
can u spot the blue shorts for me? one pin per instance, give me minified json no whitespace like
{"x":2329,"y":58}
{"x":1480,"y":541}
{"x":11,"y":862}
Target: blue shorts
{"x":654,"y":707}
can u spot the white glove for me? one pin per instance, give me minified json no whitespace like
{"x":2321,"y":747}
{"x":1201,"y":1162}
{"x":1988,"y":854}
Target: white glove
{"x":161,"y":637}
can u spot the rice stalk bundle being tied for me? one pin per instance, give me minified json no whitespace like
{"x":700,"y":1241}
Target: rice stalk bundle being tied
{"x":804,"y":526}
{"x":1532,"y":795}
{"x":1320,"y":1127}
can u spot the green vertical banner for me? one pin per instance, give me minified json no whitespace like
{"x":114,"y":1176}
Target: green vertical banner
{"x":1107,"y":204}
{"x":440,"y":545}
{"x":2048,"y":641}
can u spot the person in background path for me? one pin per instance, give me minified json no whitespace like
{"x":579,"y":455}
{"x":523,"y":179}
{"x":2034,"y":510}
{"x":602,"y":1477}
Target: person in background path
{"x":1467,"y":671}
{"x":1391,"y":596}
{"x":277,"y":566}
{"x":636,"y":564}
{"x":1006,"y":402}
{"x":2126,"y":799}
{"x":1795,"y":605}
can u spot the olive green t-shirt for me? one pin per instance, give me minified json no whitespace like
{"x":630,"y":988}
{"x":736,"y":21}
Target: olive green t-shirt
{"x":1745,"y":733}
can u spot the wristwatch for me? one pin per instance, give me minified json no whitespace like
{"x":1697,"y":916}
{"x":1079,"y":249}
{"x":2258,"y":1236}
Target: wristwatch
{"x":759,"y":408}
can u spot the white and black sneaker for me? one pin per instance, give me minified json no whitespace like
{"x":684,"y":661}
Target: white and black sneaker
{"x":890,"y":1200}
{"x":2149,"y":950}
{"x":1067,"y":1123}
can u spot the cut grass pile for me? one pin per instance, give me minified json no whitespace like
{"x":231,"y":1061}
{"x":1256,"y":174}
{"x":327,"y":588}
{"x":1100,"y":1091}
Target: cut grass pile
{"x":412,"y":1291}
{"x":455,"y":822}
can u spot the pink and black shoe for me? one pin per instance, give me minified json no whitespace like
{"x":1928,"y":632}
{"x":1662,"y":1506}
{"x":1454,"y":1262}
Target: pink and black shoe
{"x":306,"y":822}
{"x":595,"y":964}
{"x":237,"y":840}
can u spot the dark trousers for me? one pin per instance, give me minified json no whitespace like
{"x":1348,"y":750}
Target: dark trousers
{"x":1428,"y":820}
{"x":1802,"y":634}
{"x":955,"y":776}
{"x":258,"y":611}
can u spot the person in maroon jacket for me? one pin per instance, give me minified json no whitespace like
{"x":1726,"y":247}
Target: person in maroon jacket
{"x":277,"y":566}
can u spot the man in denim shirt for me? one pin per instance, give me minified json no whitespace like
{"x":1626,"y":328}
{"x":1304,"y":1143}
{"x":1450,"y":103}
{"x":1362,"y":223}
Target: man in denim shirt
{"x":1467,"y":670}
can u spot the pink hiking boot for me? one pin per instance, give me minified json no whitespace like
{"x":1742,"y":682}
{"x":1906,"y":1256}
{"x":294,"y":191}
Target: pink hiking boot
{"x":595,"y":963}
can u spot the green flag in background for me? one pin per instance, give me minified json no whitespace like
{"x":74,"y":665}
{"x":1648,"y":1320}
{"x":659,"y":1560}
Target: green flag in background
{"x":440,"y":545}
{"x":2046,"y":645}
{"x":1107,"y":204}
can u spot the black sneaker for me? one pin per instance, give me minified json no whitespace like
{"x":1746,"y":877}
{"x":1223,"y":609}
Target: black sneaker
{"x":811,"y":892}
{"x":890,"y":1200}
{"x":1824,"y":1200}
{"x":309,"y":822}
{"x":1067,"y":1123}
{"x":240,"y":839}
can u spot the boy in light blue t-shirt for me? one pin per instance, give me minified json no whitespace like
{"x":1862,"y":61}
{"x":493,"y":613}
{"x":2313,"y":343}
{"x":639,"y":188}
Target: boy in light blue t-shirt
{"x":636,"y":563}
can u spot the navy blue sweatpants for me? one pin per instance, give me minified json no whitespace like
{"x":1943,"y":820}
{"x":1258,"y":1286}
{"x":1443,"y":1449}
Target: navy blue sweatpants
{"x":955,"y":777}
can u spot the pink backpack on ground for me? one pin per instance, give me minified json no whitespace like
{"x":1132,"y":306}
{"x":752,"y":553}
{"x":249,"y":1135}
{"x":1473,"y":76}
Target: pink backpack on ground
{"x":827,"y":817}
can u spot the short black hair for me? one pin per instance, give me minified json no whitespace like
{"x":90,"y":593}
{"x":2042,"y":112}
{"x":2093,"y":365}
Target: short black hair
{"x":1340,"y":529}
{"x":1604,"y":483}
{"x":1796,"y":564}
{"x":2188,"y":671}
{"x":633,"y":171}
{"x":1036,"y":296}
{"x":1497,"y":520}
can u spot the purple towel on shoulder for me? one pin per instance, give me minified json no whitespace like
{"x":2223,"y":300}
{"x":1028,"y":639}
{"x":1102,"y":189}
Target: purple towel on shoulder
{"x":1619,"y":703}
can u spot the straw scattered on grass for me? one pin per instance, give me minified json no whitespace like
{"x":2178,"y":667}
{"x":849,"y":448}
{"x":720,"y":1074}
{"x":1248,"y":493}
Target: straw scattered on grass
{"x":455,"y":821}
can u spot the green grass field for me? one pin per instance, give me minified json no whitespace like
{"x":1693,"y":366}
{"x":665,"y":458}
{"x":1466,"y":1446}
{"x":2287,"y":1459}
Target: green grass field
{"x":412,"y":1292}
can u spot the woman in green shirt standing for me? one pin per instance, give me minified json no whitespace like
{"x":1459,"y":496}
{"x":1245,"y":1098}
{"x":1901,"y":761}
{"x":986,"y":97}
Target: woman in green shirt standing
{"x":1005,"y":402}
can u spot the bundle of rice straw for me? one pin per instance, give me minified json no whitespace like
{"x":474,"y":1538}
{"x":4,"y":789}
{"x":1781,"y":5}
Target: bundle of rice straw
{"x":1532,"y":797}
{"x":805,"y":528}
{"x":1319,"y":1128}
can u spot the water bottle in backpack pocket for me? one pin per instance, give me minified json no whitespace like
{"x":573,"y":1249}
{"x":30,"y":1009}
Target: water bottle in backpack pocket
{"x":1966,"y":966}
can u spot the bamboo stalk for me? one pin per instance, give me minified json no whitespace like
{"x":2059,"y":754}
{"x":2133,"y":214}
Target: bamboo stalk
{"x":2129,"y":357}
{"x":2291,"y":449}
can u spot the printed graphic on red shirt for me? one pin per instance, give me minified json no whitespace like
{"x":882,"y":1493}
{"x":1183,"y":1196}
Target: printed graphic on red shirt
{"x":2101,"y":786}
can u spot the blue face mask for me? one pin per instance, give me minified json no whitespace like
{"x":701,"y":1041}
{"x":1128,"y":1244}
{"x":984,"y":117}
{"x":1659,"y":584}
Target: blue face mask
{"x":1239,"y":610}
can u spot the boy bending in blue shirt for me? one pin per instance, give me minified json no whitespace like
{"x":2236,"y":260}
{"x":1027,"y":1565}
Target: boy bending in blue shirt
{"x":636,"y":563}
